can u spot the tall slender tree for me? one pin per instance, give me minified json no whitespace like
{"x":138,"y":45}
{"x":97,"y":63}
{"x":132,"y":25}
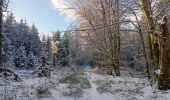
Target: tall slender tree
{"x":1,"y":22}
{"x":153,"y":36}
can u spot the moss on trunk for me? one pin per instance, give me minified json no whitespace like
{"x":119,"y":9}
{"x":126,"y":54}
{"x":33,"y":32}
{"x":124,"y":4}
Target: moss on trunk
{"x":164,"y":77}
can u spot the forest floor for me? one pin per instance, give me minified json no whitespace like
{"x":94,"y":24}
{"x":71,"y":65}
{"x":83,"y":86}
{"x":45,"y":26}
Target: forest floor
{"x":65,"y":84}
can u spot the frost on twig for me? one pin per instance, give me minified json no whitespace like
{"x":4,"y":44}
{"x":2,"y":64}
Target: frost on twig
{"x":158,"y":72}
{"x":162,"y":20}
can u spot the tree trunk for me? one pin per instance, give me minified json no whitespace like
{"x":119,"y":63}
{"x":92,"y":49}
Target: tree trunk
{"x":153,"y":38}
{"x":164,"y":76}
{"x":147,"y":68}
{"x":117,"y":35}
{"x":1,"y":21}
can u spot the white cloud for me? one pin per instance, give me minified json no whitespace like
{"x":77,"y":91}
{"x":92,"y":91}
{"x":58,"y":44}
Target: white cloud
{"x":64,"y":8}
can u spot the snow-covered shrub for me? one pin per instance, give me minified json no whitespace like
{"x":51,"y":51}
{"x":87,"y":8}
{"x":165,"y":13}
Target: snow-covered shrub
{"x":103,"y":86}
{"x":70,"y":79}
{"x":43,"y":70}
{"x":77,"y":80}
{"x":43,"y":90}
{"x":7,"y":93}
{"x":75,"y":85}
{"x":73,"y":91}
{"x":85,"y":84}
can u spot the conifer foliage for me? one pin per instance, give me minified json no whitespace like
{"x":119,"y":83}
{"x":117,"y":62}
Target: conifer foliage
{"x":21,"y":44}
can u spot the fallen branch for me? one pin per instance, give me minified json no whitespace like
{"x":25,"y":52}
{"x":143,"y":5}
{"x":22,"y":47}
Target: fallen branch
{"x":139,"y":88}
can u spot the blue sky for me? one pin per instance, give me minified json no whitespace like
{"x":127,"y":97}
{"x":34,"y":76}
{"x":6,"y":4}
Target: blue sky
{"x":42,"y":13}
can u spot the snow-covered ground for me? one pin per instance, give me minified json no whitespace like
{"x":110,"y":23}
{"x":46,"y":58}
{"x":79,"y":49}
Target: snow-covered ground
{"x":100,"y":88}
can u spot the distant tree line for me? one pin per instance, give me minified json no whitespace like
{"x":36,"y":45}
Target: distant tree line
{"x":65,"y":49}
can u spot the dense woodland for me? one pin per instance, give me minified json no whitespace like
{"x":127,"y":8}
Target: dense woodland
{"x":108,"y":36}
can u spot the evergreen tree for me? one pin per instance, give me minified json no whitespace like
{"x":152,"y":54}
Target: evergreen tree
{"x":21,"y":60}
{"x":21,"y":43}
{"x":8,"y":25}
{"x":22,"y":35}
{"x":43,"y":70}
{"x":35,"y":43}
{"x":33,"y":60}
{"x":8,"y":51}
{"x":49,"y":51}
{"x":44,"y":39}
{"x":8,"y":48}
{"x":64,"y":49}
{"x":66,"y":44}
{"x":56,"y":36}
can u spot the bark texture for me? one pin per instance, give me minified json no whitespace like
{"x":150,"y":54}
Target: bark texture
{"x":153,"y":38}
{"x":1,"y":21}
{"x":164,"y":76}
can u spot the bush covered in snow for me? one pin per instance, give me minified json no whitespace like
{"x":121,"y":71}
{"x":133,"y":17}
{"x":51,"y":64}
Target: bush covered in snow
{"x":43,"y":91}
{"x":75,"y":85}
{"x":76,"y":80}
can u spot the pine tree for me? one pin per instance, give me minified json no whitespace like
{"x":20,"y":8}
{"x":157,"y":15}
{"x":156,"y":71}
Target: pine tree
{"x":19,"y":35}
{"x":32,"y":60}
{"x":22,"y":35}
{"x":43,"y":70}
{"x":35,"y":43}
{"x":1,"y":23}
{"x":21,"y":60}
{"x":43,"y":39}
{"x":56,"y":36}
{"x":64,"y":50}
{"x":8,"y":29}
{"x":66,"y":44}
{"x":49,"y":49}
{"x":8,"y":51}
{"x":8,"y":25}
